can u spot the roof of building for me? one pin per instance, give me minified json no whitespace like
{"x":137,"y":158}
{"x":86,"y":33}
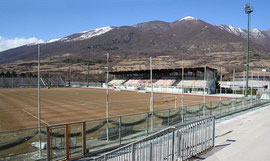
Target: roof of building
{"x":165,"y":70}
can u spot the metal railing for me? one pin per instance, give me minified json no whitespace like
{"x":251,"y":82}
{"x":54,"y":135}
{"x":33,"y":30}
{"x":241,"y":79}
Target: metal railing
{"x":180,"y":142}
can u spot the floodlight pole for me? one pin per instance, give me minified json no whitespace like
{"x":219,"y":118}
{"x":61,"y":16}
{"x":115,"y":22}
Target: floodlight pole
{"x":182,"y":101}
{"x":243,"y":92}
{"x":251,"y":86}
{"x":204,"y":89}
{"x":220,"y":83}
{"x":39,"y":123}
{"x":233,"y":80}
{"x":152,"y":94}
{"x":88,"y":66}
{"x":205,"y":84}
{"x":248,"y":10}
{"x":107,"y":98}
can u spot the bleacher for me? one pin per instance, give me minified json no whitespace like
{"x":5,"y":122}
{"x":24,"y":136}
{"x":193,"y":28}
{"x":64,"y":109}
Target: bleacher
{"x":193,"y":83}
{"x":164,"y":82}
{"x":136,"y":82}
{"x":147,"y":82}
{"x":20,"y":82}
{"x":166,"y":85}
{"x":168,"y":80}
{"x":116,"y":82}
{"x":57,"y":81}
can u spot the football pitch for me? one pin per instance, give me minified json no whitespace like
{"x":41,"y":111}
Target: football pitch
{"x":19,"y":106}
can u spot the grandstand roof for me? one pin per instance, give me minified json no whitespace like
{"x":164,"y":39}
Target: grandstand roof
{"x":186,"y":69}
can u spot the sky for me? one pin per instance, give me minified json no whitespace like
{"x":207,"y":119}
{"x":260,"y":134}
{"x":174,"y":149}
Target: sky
{"x":29,"y":21}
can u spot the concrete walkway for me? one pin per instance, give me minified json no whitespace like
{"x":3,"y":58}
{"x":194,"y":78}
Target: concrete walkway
{"x":243,"y":138}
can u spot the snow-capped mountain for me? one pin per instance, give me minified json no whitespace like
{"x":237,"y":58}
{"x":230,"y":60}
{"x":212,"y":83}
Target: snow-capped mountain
{"x":92,"y":33}
{"x":53,"y":40}
{"x":188,"y":18}
{"x":254,"y":33}
{"x":257,"y":36}
{"x":188,"y":35}
{"x":81,"y":36}
{"x":234,"y":30}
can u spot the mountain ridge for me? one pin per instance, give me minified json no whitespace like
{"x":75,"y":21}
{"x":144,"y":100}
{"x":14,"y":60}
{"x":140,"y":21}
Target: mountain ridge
{"x":183,"y":39}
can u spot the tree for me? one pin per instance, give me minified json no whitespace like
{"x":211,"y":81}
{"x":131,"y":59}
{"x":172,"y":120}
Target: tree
{"x":2,"y":74}
{"x":22,"y":75}
{"x":7,"y":74}
{"x":29,"y":75}
{"x":13,"y":74}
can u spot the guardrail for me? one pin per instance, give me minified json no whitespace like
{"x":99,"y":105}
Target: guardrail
{"x":182,"y":141}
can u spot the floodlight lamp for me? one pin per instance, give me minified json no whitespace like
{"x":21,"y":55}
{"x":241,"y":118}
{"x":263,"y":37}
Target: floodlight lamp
{"x":248,"y":9}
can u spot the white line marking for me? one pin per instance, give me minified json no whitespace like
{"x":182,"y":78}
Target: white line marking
{"x":34,"y":116}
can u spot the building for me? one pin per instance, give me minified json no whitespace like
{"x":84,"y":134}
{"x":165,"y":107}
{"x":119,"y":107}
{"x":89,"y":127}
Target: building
{"x":194,"y":80}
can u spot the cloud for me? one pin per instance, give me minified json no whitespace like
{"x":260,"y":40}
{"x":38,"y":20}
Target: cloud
{"x":6,"y":44}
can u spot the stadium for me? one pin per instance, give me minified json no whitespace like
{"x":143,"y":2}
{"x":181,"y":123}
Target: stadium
{"x":93,"y":95}
{"x":78,"y":121}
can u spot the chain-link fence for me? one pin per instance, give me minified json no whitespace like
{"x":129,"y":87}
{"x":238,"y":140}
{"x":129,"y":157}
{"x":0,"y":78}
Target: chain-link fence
{"x":96,"y":136}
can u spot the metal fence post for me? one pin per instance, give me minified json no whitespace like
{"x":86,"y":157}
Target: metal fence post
{"x":203,"y":109}
{"x":67,"y":142}
{"x":251,"y":100}
{"x":211,"y":105}
{"x":120,"y":127}
{"x":228,"y":111}
{"x":183,"y":107}
{"x":147,"y":123}
{"x":242,"y":103}
{"x":179,"y":144}
{"x":169,"y":113}
{"x":220,"y":114}
{"x":84,"y":138}
{"x":173,"y":145}
{"x":214,"y":130}
{"x":48,"y":144}
{"x":151,"y":152}
{"x":133,"y":152}
{"x":199,"y":113}
{"x":152,"y":120}
{"x":232,"y":104}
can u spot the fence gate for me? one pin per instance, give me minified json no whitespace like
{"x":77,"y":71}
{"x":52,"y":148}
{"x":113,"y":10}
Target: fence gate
{"x":66,"y":141}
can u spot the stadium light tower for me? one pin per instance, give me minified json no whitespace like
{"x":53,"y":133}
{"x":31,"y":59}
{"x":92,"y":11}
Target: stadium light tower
{"x":39,"y":122}
{"x":107,"y":96}
{"x":89,"y":47}
{"x":248,"y":10}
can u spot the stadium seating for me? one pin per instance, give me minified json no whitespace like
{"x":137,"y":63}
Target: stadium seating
{"x":135,"y":82}
{"x":116,"y":82}
{"x":193,"y":83}
{"x":164,"y":82}
{"x":160,"y":82}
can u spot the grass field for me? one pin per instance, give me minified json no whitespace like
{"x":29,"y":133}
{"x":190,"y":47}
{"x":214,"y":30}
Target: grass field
{"x":18,"y":107}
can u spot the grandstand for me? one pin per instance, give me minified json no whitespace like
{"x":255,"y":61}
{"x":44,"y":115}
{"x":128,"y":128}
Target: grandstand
{"x":259,"y":76}
{"x":21,"y":82}
{"x":195,"y":79}
{"x":258,"y":81}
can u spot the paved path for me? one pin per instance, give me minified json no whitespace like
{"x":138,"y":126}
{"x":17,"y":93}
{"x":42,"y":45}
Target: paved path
{"x":243,"y":138}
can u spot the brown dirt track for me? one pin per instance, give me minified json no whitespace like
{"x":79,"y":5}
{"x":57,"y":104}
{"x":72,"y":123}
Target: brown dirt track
{"x":18,"y":107}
